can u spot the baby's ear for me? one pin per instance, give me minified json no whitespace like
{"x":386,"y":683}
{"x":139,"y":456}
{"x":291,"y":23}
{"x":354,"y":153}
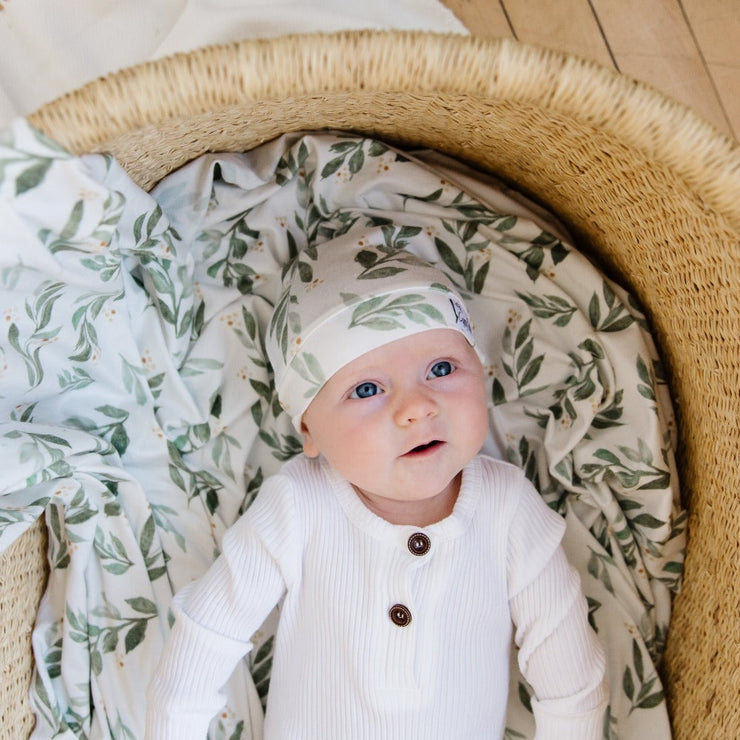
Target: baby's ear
{"x":309,"y":446}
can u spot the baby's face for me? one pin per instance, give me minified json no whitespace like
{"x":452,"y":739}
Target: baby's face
{"x":401,"y":421}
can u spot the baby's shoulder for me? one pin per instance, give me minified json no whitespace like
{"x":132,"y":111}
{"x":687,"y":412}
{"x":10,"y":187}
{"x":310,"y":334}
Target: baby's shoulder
{"x":304,"y":480}
{"x":499,"y":472}
{"x":301,"y":470}
{"x":505,"y":488}
{"x":285,"y":497}
{"x":513,"y":497}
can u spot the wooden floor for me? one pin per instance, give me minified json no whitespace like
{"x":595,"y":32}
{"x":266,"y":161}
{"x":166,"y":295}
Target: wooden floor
{"x":688,"y":49}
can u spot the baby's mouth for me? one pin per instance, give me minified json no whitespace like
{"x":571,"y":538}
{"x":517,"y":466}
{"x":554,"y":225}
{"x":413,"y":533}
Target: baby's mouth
{"x":422,"y":449}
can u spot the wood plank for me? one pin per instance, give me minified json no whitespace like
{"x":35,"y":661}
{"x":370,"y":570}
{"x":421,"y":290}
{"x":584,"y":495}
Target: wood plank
{"x":716,"y":27}
{"x":481,"y":17}
{"x":651,"y":41}
{"x":566,"y":25}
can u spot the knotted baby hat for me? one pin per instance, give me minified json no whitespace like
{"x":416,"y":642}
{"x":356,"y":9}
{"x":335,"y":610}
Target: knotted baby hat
{"x":340,"y":300}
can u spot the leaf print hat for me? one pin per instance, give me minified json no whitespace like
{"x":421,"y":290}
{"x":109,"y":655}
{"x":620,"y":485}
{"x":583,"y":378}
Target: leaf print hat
{"x":340,"y":301}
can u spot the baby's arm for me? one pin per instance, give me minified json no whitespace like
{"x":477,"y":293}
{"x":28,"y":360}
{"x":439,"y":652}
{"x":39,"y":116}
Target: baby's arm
{"x":184,"y":694}
{"x":215,"y":618}
{"x":559,"y":653}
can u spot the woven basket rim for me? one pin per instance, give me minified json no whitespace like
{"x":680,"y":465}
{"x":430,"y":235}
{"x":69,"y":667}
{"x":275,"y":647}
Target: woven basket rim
{"x":643,"y":117}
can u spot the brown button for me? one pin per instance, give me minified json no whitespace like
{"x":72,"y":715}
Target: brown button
{"x":419,"y":543}
{"x":400,"y":615}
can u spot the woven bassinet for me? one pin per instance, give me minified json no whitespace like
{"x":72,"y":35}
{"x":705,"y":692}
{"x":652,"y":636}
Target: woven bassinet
{"x":650,"y":191}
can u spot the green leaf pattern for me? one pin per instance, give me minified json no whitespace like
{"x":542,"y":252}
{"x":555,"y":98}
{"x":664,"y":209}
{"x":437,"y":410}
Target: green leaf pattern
{"x":385,"y":314}
{"x":140,"y":412}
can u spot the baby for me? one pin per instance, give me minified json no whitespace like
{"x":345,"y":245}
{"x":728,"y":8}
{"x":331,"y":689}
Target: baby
{"x":401,"y":558}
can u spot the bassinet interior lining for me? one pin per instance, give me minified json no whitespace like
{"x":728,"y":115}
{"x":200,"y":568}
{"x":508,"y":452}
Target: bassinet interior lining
{"x":158,"y":400}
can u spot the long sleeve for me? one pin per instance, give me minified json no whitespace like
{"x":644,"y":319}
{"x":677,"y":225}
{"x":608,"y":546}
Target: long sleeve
{"x":215,"y":618}
{"x":559,"y":653}
{"x":185,"y":692}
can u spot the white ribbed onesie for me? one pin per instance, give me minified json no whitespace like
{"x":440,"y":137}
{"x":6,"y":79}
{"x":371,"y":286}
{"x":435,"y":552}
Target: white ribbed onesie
{"x":376,"y":640}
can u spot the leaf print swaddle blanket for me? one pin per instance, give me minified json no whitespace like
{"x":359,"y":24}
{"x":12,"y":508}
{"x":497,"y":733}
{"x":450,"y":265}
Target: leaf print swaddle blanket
{"x":138,"y":410}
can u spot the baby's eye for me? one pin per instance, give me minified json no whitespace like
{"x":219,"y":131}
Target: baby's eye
{"x":441,"y":368}
{"x":366,"y":390}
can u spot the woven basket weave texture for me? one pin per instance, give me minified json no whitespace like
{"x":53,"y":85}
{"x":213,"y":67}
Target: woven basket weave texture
{"x":650,"y":191}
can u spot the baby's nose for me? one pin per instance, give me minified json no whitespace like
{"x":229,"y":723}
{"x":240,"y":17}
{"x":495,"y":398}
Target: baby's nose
{"x":415,"y":406}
